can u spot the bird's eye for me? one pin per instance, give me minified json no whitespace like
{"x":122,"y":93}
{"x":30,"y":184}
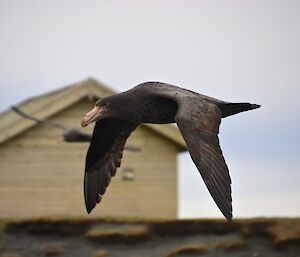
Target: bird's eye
{"x":106,"y":104}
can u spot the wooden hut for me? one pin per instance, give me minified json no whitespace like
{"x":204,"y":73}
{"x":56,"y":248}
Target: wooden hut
{"x":40,"y":175}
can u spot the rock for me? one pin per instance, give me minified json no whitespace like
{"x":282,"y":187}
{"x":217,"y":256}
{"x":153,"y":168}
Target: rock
{"x":114,"y":233}
{"x":53,"y":249}
{"x":10,"y":255}
{"x":188,"y":250}
{"x":231,"y":245}
{"x":100,"y":253}
{"x":284,"y":233}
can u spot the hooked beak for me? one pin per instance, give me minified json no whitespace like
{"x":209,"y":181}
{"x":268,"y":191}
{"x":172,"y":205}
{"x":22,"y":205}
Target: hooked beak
{"x":91,"y":116}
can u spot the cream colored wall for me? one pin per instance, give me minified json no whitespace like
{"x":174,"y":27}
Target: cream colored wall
{"x":40,"y":175}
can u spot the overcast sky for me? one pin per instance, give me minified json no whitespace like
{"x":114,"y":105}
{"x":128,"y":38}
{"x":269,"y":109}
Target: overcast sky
{"x":235,"y":50}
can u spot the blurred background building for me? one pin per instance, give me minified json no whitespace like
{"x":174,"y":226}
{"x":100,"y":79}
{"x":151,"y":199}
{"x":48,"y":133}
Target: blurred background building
{"x":41,"y":175}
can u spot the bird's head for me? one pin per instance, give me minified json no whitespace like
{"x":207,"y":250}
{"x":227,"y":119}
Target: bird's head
{"x":104,"y":108}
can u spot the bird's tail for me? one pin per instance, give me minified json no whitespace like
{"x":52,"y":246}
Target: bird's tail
{"x":234,"y":108}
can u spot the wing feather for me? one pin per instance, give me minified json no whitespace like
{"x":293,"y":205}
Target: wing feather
{"x":198,"y":118}
{"x":199,"y":124}
{"x":104,"y":157}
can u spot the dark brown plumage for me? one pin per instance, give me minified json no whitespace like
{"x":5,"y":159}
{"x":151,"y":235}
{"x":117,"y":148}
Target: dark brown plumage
{"x":197,"y":116}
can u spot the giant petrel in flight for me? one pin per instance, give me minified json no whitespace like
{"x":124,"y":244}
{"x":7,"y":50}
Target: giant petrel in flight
{"x":197,"y":116}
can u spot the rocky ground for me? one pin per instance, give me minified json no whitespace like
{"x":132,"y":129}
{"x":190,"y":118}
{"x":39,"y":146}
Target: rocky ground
{"x":148,"y":238}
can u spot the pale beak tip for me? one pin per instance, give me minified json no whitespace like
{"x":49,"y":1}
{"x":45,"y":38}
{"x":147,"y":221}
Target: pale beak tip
{"x":92,"y":116}
{"x":84,"y":123}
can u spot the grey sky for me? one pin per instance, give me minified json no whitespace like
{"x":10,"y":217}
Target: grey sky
{"x":232,"y":50}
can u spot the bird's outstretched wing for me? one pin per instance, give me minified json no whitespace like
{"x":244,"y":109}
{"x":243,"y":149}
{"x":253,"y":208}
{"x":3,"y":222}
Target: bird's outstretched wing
{"x":199,"y":123}
{"x":198,"y":119}
{"x":104,"y":157}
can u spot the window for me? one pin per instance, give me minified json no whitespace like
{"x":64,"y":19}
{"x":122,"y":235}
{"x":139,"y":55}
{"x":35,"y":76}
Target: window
{"x":127,"y":174}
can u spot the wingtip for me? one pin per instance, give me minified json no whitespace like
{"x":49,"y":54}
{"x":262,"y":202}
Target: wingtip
{"x":227,"y":215}
{"x":255,"y":106}
{"x":229,"y":218}
{"x":88,"y":209}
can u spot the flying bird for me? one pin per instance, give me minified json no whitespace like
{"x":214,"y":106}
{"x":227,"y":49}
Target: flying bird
{"x":197,"y":116}
{"x":70,"y":135}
